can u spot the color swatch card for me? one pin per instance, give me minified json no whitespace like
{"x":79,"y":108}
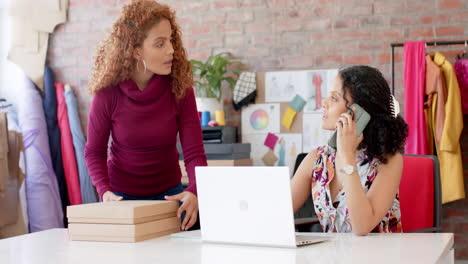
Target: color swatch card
{"x":261,"y":119}
{"x":270,"y":141}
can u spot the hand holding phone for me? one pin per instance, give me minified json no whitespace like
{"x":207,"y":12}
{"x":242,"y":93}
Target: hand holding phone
{"x":362,"y":119}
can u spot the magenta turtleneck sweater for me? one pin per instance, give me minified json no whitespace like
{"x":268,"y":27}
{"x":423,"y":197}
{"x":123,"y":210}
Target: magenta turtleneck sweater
{"x":143,"y":159}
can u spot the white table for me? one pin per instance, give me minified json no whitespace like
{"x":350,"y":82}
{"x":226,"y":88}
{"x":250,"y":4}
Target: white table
{"x":53,"y":246}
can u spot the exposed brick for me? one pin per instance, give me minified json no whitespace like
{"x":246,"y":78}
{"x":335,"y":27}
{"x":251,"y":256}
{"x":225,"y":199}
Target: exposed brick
{"x":243,"y":16}
{"x":200,"y":30}
{"x":345,"y":23}
{"x":288,"y":26}
{"x":434,"y":19}
{"x":420,"y":32}
{"x":230,"y":28}
{"x":371,"y":21}
{"x":358,"y":59}
{"x":278,"y":3}
{"x":401,"y":21}
{"x":459,"y":17}
{"x":388,"y":34}
{"x":451,"y":4}
{"x":225,"y":5}
{"x":258,"y":28}
{"x":450,"y":31}
{"x":318,"y":25}
{"x":217,"y":18}
{"x":356,"y":10}
{"x":331,"y":60}
{"x":298,"y":62}
{"x":388,"y":7}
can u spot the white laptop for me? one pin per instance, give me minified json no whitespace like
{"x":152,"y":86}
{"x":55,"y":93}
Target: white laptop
{"x":248,"y":205}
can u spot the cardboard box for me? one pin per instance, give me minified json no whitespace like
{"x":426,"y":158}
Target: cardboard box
{"x":239,"y":162}
{"x":122,"y":212}
{"x":123,"y":232}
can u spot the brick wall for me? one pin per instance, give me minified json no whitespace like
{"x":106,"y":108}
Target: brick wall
{"x":282,"y":35}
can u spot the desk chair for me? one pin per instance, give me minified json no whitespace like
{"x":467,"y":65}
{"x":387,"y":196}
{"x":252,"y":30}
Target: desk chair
{"x":420,"y":194}
{"x":305,"y":218}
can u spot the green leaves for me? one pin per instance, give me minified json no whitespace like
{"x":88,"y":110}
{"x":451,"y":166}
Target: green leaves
{"x":212,"y":73}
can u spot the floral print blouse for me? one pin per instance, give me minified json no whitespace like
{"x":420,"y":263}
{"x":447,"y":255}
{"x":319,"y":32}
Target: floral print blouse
{"x":333,"y":212}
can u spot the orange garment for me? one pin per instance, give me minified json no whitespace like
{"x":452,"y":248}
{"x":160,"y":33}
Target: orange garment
{"x":434,"y":105}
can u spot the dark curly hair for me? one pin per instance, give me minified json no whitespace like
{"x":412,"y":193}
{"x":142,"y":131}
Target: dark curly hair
{"x":115,"y":62}
{"x":384,"y":135}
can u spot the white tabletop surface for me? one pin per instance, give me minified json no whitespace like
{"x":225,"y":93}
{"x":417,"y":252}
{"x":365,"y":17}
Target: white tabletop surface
{"x":53,"y":246}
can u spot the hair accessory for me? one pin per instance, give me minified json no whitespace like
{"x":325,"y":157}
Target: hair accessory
{"x":395,"y":107}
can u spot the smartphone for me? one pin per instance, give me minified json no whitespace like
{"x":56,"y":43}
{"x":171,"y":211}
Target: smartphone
{"x":362,"y":119}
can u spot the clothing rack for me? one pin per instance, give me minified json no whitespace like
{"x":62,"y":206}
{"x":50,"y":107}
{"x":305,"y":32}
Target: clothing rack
{"x":430,"y":43}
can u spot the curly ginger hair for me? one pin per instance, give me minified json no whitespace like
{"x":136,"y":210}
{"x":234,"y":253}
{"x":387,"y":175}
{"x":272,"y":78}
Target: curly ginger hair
{"x":115,"y":63}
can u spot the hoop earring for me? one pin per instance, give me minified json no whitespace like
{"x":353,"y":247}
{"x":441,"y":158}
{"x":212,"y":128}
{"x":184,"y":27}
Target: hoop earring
{"x":144,"y":65}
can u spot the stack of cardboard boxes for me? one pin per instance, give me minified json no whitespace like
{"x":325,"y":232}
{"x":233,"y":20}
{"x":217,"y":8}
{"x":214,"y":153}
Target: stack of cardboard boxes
{"x":122,"y":221}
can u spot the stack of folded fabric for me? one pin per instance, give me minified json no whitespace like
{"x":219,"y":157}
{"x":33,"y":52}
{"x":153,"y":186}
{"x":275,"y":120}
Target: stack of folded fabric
{"x":122,"y":221}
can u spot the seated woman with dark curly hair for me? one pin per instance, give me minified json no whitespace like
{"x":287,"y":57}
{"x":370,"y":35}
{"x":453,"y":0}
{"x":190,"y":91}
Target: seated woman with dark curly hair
{"x":355,"y":186}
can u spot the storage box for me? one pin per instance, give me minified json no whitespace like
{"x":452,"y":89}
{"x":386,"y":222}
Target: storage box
{"x":123,"y":232}
{"x":223,"y":151}
{"x":122,"y":212}
{"x":239,"y":162}
{"x":122,"y":221}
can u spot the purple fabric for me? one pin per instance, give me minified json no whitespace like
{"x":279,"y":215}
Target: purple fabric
{"x":461,"y":70}
{"x":44,"y":205}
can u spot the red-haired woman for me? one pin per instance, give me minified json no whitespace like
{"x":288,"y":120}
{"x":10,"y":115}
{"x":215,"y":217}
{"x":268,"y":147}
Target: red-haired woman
{"x":143,"y":97}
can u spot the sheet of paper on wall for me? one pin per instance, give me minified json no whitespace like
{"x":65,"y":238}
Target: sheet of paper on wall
{"x":312,"y":133}
{"x":291,"y":147}
{"x":288,"y":118}
{"x":283,"y":86}
{"x":261,"y":119}
{"x":318,"y":84}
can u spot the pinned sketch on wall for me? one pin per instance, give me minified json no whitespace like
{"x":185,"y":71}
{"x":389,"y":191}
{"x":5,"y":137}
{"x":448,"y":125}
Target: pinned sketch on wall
{"x":312,"y":133}
{"x":286,"y":150}
{"x":261,"y":118}
{"x":317,"y":87}
{"x":283,"y":86}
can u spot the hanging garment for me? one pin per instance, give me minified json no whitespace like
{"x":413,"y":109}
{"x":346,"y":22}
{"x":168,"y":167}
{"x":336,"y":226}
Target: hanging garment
{"x":414,"y":79}
{"x":88,"y":193}
{"x":434,"y":105}
{"x":31,"y":23}
{"x":44,"y":205}
{"x":68,"y":153}
{"x":461,"y":69}
{"x":448,"y":151}
{"x":245,"y":90}
{"x":53,"y":132}
{"x":13,"y":126}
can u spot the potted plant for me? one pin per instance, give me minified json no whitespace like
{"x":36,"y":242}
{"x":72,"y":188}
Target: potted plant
{"x":209,"y":78}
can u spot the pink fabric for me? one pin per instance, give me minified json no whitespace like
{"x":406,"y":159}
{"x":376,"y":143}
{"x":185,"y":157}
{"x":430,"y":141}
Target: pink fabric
{"x":461,"y":69}
{"x":414,"y":82}
{"x":68,"y":153}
